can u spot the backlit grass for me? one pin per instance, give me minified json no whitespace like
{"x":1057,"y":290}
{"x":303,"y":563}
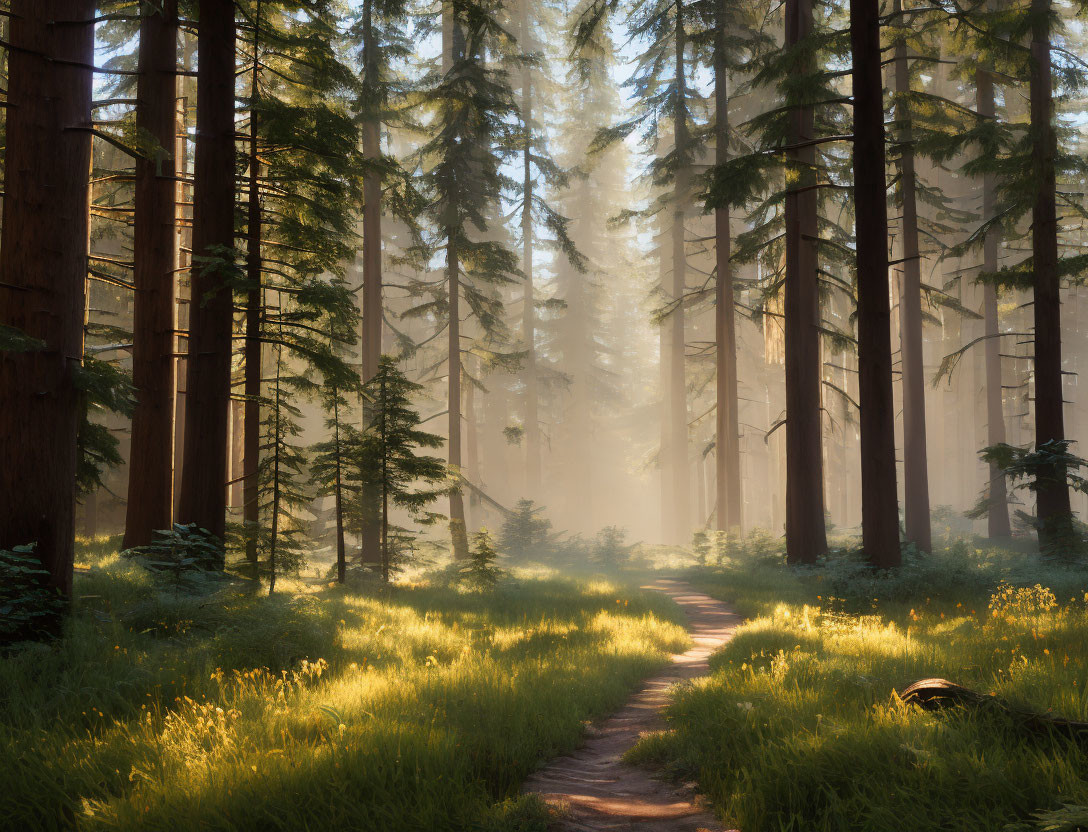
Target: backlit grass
{"x":798,"y":728}
{"x":325,"y":709}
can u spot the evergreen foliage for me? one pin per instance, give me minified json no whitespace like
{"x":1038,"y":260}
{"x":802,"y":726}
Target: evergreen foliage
{"x":524,"y":531}
{"x":392,"y":474}
{"x":480,"y":572}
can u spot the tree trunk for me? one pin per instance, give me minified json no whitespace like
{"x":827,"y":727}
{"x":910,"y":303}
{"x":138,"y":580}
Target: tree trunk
{"x":254,"y":313}
{"x":341,"y":549}
{"x":727,"y":454}
{"x":43,"y":270}
{"x":679,"y":481}
{"x":458,"y":530}
{"x":203,"y":498}
{"x":915,"y":457}
{"x":371,"y":336}
{"x":529,"y":373}
{"x":806,"y":534}
{"x":151,"y":460}
{"x":879,"y":503}
{"x":1054,"y":511}
{"x":276,"y":445}
{"x":998,"y":525}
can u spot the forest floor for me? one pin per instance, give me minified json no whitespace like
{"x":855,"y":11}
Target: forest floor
{"x":421,"y":707}
{"x":798,"y":726}
{"x":594,"y":789}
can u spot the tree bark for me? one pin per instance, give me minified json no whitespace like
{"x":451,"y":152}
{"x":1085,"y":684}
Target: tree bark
{"x":879,"y":502}
{"x":371,"y":336}
{"x":679,"y":481}
{"x":529,"y":372}
{"x":151,"y":459}
{"x":254,"y":314}
{"x":916,"y":512}
{"x":43,"y":270}
{"x":1052,"y":489}
{"x":203,"y":498}
{"x":341,"y":548}
{"x":806,"y":534}
{"x":458,"y":529}
{"x":997,"y":521}
{"x":727,"y":510}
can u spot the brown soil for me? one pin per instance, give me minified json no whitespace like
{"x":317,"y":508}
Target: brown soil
{"x":593,"y":789}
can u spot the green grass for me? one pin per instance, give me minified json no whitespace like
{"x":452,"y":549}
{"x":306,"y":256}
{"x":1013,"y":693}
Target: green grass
{"x":323,"y":708}
{"x":798,"y":727}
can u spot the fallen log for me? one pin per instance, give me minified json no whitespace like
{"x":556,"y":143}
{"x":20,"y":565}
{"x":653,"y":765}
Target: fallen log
{"x":938,"y":694}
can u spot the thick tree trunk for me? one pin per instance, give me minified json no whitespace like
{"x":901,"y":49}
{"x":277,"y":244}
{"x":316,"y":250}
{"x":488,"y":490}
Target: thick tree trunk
{"x":371,"y":336}
{"x":679,"y":480}
{"x":458,"y":530}
{"x":879,"y":502}
{"x":151,"y":460}
{"x":529,"y":372}
{"x":1054,"y":509}
{"x":915,"y":457}
{"x":998,"y":524}
{"x":254,"y":315}
{"x":203,"y":498}
{"x":727,"y":510}
{"x":806,"y":534}
{"x":43,"y":270}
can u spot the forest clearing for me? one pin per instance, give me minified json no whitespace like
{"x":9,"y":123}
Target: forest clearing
{"x":544,"y":415}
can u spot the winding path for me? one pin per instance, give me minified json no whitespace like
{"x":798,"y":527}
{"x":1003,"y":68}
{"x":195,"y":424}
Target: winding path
{"x":593,"y":788}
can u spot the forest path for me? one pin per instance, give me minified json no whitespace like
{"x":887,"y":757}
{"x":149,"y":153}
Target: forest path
{"x":593,"y":787}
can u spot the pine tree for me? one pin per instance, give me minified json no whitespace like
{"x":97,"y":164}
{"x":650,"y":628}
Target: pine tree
{"x":1052,"y":491}
{"x":390,"y":468}
{"x":664,"y":96}
{"x":151,"y":465}
{"x":480,"y":571}
{"x":879,"y":506}
{"x":469,"y":103}
{"x":43,"y":269}
{"x":302,"y":186}
{"x":524,"y":532}
{"x":213,"y":276}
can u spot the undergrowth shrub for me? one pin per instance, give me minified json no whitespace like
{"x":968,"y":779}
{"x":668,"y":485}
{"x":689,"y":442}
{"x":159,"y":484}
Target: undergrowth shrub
{"x":185,"y":556}
{"x":29,"y":608}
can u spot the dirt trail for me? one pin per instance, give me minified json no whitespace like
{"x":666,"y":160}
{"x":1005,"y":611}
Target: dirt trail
{"x":596,"y":790}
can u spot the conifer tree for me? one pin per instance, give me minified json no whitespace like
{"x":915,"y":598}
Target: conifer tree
{"x":1052,"y":490}
{"x":880,"y":510}
{"x":469,"y":103}
{"x":43,"y":269}
{"x":303,"y":183}
{"x":665,"y":97}
{"x":213,"y":276}
{"x":151,"y":464}
{"x":390,"y":468}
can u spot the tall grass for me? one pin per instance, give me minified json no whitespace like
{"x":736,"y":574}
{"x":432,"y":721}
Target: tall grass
{"x":420,"y":709}
{"x":798,"y":727}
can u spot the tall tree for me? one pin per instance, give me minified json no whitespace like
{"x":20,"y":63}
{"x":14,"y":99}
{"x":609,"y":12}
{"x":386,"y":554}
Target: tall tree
{"x":727,"y":511}
{"x":213,"y":274}
{"x":470,"y":101}
{"x":879,"y":501}
{"x":43,"y":269}
{"x":151,"y":461}
{"x":539,"y":222}
{"x":916,"y":515}
{"x":806,"y":535}
{"x":1052,"y":489}
{"x":997,"y":510}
